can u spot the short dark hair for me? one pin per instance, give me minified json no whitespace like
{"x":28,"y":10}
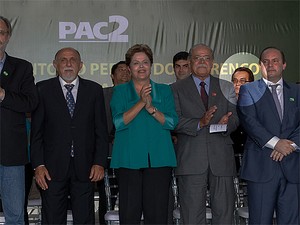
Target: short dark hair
{"x":115,"y":66}
{"x":271,"y":47}
{"x":138,"y":48}
{"x":7,"y":23}
{"x":250,"y":73}
{"x":180,"y":56}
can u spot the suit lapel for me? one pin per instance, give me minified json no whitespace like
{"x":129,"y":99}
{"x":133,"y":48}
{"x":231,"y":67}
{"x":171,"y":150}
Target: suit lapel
{"x":59,"y":96}
{"x":289,"y":99}
{"x":192,"y":92}
{"x":81,"y":96}
{"x":132,"y":95}
{"x":264,"y":88}
{"x":214,"y":92}
{"x":7,"y":71}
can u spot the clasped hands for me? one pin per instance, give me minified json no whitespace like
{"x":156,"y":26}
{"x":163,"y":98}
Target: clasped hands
{"x":146,"y":97}
{"x":282,"y":148}
{"x":204,"y":121}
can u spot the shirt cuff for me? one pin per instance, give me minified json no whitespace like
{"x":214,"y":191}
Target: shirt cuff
{"x":272,"y":142}
{"x":296,"y":147}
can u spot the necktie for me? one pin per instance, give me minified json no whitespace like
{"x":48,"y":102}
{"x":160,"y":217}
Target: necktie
{"x":71,"y":107}
{"x":276,"y":100}
{"x":70,"y":99}
{"x":203,"y":93}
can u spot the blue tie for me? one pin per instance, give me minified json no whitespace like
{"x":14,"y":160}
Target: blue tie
{"x":71,"y":107}
{"x":70,"y":99}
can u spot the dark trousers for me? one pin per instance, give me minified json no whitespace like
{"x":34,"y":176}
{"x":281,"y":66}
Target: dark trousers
{"x":55,"y":200}
{"x":144,"y":191}
{"x":28,"y":182}
{"x":277,"y":194}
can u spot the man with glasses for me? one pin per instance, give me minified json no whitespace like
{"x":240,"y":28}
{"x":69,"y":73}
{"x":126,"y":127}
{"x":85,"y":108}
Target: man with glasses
{"x":18,"y":95}
{"x":205,"y":155}
{"x":240,"y":76}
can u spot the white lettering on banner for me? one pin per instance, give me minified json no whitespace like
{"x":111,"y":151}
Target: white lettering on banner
{"x":85,"y":32}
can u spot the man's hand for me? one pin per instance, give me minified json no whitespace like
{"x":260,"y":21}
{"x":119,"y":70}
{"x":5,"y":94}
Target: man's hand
{"x":97,"y":173}
{"x":2,"y":94}
{"x":41,"y":174}
{"x":225,"y":118}
{"x":284,"y":146}
{"x":276,"y":156}
{"x":204,"y":121}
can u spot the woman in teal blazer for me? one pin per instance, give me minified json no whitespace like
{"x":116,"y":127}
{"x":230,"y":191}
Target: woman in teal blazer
{"x":143,"y":113}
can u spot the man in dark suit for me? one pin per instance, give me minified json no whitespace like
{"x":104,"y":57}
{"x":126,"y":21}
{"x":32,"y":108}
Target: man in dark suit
{"x":69,"y":141}
{"x":119,"y":75}
{"x":269,"y":110}
{"x":18,"y":95}
{"x":205,"y":158}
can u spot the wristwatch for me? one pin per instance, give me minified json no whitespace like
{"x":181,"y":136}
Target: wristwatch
{"x":154,"y":111}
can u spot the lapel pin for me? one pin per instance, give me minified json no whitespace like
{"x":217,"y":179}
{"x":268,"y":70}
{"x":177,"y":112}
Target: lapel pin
{"x":292,"y":99}
{"x":5,"y":73}
{"x":213,"y":94}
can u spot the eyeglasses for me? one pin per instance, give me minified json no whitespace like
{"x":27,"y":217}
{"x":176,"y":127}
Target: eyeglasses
{"x":198,"y":58}
{"x":241,"y":81}
{"x":2,"y":32}
{"x":139,"y":64}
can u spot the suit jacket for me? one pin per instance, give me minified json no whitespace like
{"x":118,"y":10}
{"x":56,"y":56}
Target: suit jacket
{"x":198,"y":150}
{"x":107,"y":92}
{"x":144,"y":138}
{"x":53,"y":129}
{"x":20,"y":97}
{"x":261,"y":121}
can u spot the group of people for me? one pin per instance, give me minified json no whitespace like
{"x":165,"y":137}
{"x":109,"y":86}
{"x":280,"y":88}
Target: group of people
{"x":75,"y":123}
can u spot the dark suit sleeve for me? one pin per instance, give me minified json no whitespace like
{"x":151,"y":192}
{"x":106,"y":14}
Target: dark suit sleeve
{"x":186,"y":125}
{"x":37,"y":132}
{"x":249,"y":118}
{"x":101,"y":133}
{"x":23,"y":97}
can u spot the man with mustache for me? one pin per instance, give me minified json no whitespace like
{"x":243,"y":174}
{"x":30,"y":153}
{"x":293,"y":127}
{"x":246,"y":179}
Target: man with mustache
{"x":205,"y":158}
{"x":269,"y":111}
{"x":69,"y":141}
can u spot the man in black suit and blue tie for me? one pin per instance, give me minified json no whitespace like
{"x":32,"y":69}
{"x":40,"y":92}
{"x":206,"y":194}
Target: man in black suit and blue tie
{"x":69,"y":141}
{"x":271,"y":158}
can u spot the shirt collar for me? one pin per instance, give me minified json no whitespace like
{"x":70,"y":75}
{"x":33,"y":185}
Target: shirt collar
{"x":198,"y":81}
{"x":75,"y":82}
{"x":2,"y":62}
{"x":3,"y":59}
{"x":268,"y":83}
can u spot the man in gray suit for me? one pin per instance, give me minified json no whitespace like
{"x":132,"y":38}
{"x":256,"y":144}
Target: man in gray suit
{"x":206,"y":107}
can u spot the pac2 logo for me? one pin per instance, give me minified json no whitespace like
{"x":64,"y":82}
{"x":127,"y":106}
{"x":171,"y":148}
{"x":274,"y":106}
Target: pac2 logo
{"x":111,"y":31}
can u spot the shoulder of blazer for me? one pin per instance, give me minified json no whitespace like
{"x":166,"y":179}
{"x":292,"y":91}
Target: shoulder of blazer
{"x":187,"y":82}
{"x":14,"y":60}
{"x":89,"y":84}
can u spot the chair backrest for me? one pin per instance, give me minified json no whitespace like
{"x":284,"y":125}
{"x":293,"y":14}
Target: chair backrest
{"x":241,"y":192}
{"x":111,"y":189}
